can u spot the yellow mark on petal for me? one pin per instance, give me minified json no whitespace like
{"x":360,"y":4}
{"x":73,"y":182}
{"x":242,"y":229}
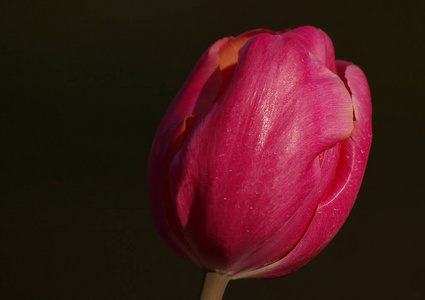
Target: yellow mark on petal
{"x":228,"y":55}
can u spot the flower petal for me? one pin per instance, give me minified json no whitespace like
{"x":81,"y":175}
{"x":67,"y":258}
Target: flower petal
{"x":197,"y":93}
{"x":317,"y":43}
{"x":332,"y":212}
{"x":252,"y":157}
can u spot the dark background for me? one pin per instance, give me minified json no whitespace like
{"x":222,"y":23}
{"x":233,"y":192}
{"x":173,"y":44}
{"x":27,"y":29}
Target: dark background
{"x":83,"y":87}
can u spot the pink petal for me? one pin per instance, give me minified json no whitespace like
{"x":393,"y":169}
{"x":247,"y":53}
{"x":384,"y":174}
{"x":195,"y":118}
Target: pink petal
{"x":317,"y":43}
{"x":332,"y":212}
{"x":288,"y":236}
{"x":199,"y":91}
{"x":252,"y":158}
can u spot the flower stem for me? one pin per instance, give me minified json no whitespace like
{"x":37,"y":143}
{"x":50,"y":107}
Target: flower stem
{"x":214,"y":286}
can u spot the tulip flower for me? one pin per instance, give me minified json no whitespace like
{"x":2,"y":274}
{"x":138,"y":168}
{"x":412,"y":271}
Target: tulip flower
{"x":259,"y":158}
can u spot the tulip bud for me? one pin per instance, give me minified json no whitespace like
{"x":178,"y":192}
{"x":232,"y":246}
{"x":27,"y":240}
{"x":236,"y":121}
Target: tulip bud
{"x":259,"y":158}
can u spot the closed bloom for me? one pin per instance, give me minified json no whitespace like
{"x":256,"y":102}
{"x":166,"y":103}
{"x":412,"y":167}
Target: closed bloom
{"x":259,"y":158}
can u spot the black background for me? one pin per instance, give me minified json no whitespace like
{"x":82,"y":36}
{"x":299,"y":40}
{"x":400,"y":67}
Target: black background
{"x":84,"y":86}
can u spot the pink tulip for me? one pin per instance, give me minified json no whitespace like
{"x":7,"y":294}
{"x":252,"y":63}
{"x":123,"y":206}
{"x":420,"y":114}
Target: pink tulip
{"x":259,"y":159}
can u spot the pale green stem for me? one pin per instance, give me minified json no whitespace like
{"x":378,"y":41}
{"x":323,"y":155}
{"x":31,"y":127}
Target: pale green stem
{"x":214,"y":286}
